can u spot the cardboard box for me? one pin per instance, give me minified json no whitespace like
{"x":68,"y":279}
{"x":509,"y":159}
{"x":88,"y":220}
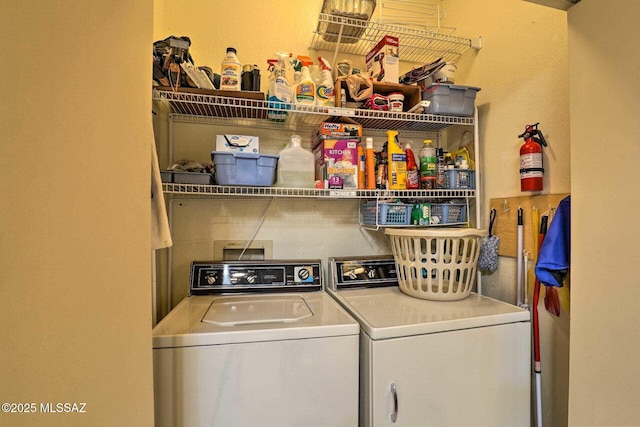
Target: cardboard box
{"x":412,"y":93}
{"x":337,"y":130}
{"x":337,"y":163}
{"x":383,"y":64}
{"x":238,"y":143}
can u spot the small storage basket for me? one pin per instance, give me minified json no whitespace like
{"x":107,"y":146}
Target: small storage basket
{"x":437,"y":265}
{"x":460,"y":179}
{"x":448,"y":213}
{"x":385,"y":213}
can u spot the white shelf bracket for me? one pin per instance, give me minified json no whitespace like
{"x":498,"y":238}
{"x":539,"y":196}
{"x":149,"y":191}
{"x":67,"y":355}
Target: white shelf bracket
{"x":476,"y":43}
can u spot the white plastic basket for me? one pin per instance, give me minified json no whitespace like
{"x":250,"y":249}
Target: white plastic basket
{"x":437,"y":264}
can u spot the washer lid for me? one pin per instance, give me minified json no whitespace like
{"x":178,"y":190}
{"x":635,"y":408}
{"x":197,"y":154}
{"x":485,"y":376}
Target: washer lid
{"x":257,"y":309}
{"x":386,"y":312}
{"x":215,"y":320}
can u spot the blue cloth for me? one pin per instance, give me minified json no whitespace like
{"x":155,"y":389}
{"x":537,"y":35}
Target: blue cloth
{"x":554,"y":257}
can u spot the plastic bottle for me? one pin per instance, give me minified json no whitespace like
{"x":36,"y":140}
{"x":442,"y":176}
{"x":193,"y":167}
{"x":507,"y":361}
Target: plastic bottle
{"x":370,"y":165}
{"x":231,"y":71}
{"x":382,"y":169}
{"x":397,"y":175}
{"x":304,"y":91}
{"x":361,"y":166}
{"x":413,"y":176}
{"x":279,"y":89}
{"x":296,"y":166}
{"x":427,"y":166}
{"x":325,"y":91}
{"x":441,"y":167}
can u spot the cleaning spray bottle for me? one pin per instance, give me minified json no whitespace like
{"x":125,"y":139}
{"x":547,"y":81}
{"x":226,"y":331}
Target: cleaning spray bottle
{"x":279,"y":93}
{"x":397,"y":176}
{"x":296,"y":166}
{"x":325,"y":92}
{"x":413,"y":176}
{"x":304,"y":91}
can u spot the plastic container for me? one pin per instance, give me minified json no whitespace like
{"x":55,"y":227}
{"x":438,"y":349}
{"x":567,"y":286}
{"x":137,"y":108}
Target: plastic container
{"x":396,"y":102}
{"x":325,"y":90}
{"x":460,"y":179}
{"x":231,"y":71}
{"x":370,"y":165}
{"x":428,"y":166}
{"x":304,"y":91}
{"x":296,"y":166}
{"x":251,"y":169}
{"x":436,"y":264}
{"x":397,"y":173}
{"x":448,"y":213}
{"x":180,"y":177}
{"x":373,"y":213}
{"x":450,"y":99}
{"x":413,"y":175}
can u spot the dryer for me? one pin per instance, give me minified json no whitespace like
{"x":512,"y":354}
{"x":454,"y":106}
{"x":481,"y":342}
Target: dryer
{"x":431,"y":363}
{"x":256,"y":344}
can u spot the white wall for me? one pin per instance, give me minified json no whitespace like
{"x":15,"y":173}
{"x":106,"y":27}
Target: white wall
{"x":75,"y":219}
{"x":604,"y":59}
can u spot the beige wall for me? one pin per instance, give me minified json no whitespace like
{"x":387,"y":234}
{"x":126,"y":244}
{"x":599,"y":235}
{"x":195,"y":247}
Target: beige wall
{"x":523,"y":72}
{"x":75,"y":220}
{"x":604,"y":58}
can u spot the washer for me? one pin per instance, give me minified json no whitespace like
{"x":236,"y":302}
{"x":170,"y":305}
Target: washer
{"x":256,"y":344}
{"x":432,"y":363}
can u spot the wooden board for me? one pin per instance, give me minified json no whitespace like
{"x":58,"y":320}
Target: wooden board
{"x":506,"y":224}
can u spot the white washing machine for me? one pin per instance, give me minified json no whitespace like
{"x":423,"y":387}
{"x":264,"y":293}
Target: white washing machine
{"x":256,"y":344}
{"x":430,"y":363}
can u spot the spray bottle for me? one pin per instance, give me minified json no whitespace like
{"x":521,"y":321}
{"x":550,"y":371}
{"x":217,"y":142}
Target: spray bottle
{"x":279,"y":89}
{"x":397,"y":176}
{"x":325,"y":92}
{"x":413,"y":176}
{"x":304,"y":91}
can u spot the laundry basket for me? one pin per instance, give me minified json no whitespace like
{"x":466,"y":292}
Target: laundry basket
{"x":437,"y":264}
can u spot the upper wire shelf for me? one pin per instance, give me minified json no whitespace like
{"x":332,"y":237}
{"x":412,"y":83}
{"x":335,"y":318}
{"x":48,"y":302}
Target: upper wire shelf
{"x":225,"y":190}
{"x":356,"y":36}
{"x":201,"y":107}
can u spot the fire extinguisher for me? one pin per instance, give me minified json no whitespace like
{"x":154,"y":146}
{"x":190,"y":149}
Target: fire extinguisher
{"x":531,"y":167}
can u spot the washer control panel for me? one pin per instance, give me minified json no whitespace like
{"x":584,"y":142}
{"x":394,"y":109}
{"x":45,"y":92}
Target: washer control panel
{"x":218,"y":277}
{"x":359,"y":272}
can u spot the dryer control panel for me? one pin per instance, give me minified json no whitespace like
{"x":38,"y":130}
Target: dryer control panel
{"x":222,"y":277}
{"x":363,"y":272}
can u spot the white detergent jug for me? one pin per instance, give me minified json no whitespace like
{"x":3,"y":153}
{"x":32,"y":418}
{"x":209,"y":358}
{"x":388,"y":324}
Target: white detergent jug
{"x":296,"y":166}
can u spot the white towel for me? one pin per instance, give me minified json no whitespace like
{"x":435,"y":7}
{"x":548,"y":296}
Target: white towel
{"x":160,"y":232}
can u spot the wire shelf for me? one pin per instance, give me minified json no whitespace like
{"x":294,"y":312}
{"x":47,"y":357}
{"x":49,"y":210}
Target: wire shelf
{"x":225,"y":190}
{"x":198,"y":107}
{"x":355,"y":36}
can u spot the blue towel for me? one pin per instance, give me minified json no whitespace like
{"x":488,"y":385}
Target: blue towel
{"x":554,"y":257}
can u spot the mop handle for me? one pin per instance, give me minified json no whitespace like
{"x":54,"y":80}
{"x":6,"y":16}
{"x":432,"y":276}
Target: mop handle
{"x":536,"y":296}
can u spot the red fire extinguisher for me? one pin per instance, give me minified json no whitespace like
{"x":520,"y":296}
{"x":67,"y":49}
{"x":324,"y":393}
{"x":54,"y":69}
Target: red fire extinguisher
{"x":531,"y":168}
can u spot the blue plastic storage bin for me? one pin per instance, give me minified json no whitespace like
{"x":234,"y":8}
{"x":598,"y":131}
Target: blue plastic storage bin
{"x":450,"y":99}
{"x":455,"y":179}
{"x":250,"y":169}
{"x":448,"y":213}
{"x":386,"y":213}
